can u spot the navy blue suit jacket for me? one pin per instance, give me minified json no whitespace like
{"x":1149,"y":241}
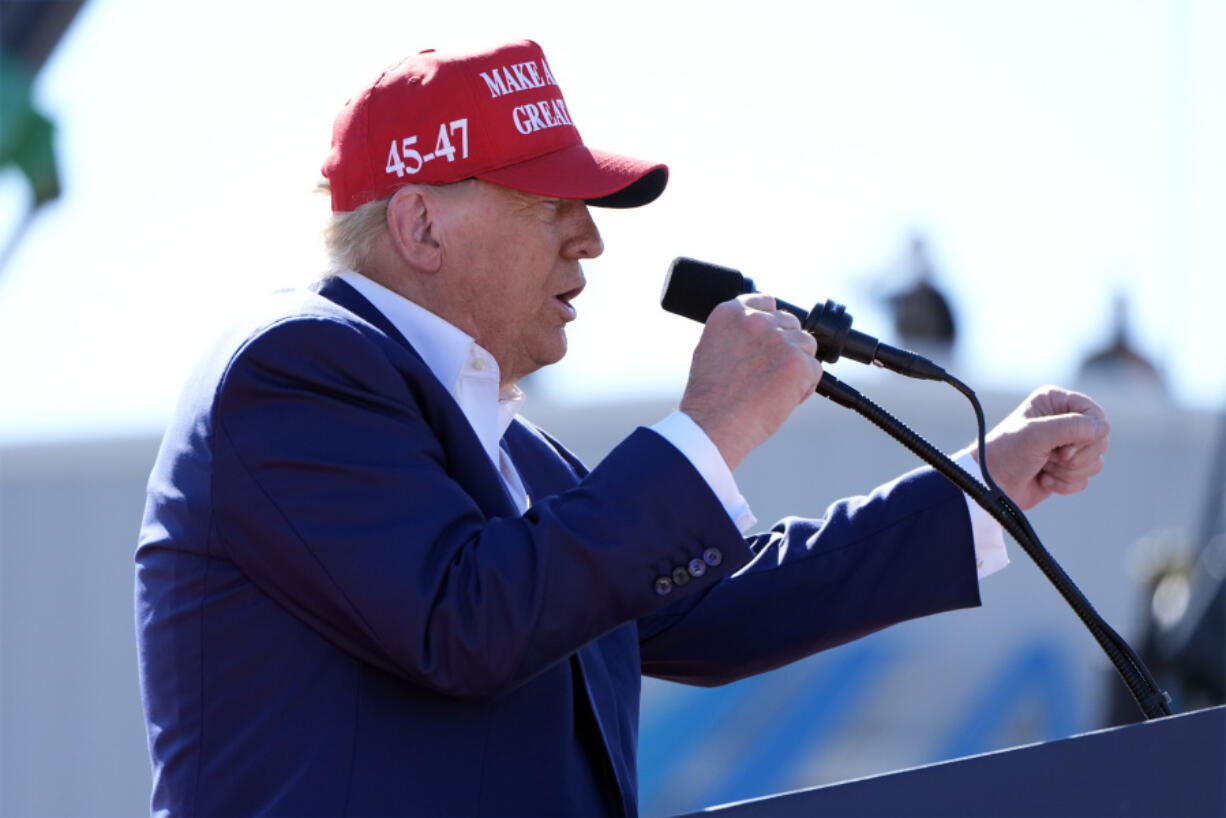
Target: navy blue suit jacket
{"x":340,"y":611}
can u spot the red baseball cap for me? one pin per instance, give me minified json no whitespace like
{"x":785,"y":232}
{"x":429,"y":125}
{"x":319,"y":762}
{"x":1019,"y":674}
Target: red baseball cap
{"x":496,"y":115}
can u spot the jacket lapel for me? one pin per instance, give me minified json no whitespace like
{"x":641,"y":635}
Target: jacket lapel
{"x":467,"y":461}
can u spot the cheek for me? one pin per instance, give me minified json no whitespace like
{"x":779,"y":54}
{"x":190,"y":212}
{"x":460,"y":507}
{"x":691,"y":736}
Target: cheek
{"x":516,"y":312}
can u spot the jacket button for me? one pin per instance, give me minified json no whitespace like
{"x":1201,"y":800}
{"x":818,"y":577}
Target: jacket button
{"x":697,"y":567}
{"x":680,"y":576}
{"x":712,"y":556}
{"x":664,"y":586}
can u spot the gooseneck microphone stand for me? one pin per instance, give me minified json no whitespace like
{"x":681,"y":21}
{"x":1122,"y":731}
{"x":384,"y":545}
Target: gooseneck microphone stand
{"x":1154,"y":702}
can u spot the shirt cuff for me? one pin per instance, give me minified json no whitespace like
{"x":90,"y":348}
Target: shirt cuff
{"x":989,"y":537}
{"x":689,"y":439}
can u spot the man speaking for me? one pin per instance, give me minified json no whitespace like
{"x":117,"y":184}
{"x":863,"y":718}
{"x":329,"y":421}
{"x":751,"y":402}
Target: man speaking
{"x":366,"y":586}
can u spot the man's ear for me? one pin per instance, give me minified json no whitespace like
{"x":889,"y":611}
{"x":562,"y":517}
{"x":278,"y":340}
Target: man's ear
{"x":412,"y":225}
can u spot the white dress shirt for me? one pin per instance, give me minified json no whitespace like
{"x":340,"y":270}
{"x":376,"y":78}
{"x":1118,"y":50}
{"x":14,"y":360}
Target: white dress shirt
{"x":471,"y":375}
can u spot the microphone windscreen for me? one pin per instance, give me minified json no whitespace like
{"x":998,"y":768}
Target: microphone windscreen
{"x":693,"y":288}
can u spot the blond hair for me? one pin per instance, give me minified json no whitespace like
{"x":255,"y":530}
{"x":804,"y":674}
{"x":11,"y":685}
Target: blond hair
{"x":349,"y":234}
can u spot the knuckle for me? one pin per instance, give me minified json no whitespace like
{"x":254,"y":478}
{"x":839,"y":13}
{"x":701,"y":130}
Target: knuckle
{"x":759,"y":323}
{"x":787,"y":320}
{"x":759,"y":301}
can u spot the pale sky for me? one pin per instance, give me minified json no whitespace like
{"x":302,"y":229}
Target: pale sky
{"x":1053,"y":153}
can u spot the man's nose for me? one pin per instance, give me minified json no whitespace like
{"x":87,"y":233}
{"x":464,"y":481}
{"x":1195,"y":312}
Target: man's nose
{"x":583,"y":238}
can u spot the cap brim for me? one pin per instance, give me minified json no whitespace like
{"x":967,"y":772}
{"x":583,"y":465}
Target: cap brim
{"x":578,"y":172}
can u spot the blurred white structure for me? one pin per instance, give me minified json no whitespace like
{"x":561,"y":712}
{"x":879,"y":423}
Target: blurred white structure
{"x":1020,"y":669}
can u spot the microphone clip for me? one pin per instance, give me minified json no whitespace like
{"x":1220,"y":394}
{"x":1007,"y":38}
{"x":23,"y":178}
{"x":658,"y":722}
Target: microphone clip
{"x":830,"y":324}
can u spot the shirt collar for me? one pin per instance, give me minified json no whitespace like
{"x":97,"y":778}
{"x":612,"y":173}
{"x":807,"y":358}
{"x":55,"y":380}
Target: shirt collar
{"x":461,"y":365}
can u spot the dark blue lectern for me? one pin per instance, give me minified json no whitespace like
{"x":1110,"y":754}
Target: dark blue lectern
{"x":1169,"y":767}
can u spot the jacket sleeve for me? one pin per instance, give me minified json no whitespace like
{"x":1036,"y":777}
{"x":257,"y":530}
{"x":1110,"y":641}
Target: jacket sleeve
{"x":335,"y":494}
{"x":902,"y":552}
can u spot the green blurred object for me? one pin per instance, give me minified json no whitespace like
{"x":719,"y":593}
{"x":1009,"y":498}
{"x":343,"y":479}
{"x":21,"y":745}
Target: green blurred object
{"x":26,"y":135}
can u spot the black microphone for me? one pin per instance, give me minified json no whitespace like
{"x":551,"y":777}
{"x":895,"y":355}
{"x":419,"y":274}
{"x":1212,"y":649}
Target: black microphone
{"x":694,"y":288}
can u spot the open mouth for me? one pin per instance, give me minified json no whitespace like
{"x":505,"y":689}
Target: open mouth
{"x":565,"y":298}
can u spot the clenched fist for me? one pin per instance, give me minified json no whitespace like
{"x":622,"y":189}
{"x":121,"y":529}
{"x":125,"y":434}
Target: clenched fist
{"x":752,"y":367}
{"x":1053,"y":443}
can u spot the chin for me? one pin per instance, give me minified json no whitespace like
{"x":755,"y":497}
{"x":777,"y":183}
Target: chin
{"x":554,"y":351}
